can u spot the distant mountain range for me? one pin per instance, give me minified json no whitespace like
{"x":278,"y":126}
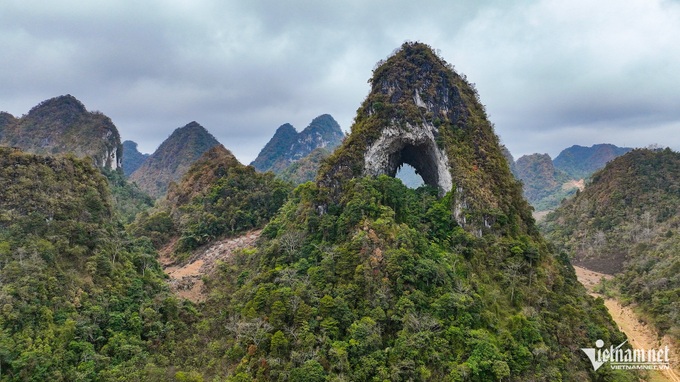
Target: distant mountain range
{"x":173,"y":158}
{"x":547,"y":182}
{"x":580,"y":162}
{"x":63,"y":125}
{"x":288,"y":146}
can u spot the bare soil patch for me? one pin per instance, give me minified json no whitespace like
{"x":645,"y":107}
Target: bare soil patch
{"x":186,"y":279}
{"x":580,"y":184}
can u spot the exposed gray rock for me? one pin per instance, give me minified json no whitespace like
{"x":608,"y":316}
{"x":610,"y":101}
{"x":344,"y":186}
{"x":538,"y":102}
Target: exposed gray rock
{"x":415,"y":146}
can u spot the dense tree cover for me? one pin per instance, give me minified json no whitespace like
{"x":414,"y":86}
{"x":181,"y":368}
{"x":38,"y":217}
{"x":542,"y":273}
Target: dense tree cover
{"x":79,"y":299}
{"x":305,"y":169}
{"x":287,"y":146}
{"x":128,"y":199}
{"x":626,"y":222}
{"x":386,"y":286}
{"x":173,"y":158}
{"x":276,"y":149}
{"x":63,"y":125}
{"x":355,"y":278}
{"x":217,"y":197}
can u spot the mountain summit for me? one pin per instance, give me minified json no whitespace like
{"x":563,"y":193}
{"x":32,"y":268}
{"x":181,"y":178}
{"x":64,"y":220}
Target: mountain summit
{"x":63,"y":125}
{"x":288,"y":146}
{"x":422,"y":113}
{"x":173,"y":158}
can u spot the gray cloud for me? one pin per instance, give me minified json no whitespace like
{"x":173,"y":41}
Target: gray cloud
{"x":551,"y":73}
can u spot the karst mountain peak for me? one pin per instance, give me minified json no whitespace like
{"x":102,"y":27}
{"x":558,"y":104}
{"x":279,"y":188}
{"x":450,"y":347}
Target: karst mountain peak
{"x":422,"y":113}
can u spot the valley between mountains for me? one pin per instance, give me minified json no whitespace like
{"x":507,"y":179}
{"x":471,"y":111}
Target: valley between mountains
{"x":316,"y":262}
{"x":640,"y":334}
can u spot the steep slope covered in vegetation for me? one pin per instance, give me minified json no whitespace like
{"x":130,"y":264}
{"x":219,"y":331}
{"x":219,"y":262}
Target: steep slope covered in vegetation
{"x":173,"y":158}
{"x":128,"y":199}
{"x":62,"y":125}
{"x":360,"y":278}
{"x":79,"y":299}
{"x":306,"y":168}
{"x":217,"y":197}
{"x":277,"y":148}
{"x":288,"y":146}
{"x":627,"y":223}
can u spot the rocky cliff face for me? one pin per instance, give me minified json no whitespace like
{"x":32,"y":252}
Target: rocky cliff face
{"x":63,"y":125}
{"x":540,"y":177}
{"x":288,"y":146}
{"x":132,"y":158}
{"x":422,"y":113}
{"x":173,"y":158}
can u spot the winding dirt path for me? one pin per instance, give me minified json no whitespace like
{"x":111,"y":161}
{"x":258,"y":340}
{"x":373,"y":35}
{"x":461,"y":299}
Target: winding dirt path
{"x":185,"y":279}
{"x":640,"y":335}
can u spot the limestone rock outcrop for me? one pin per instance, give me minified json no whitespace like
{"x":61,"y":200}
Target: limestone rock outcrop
{"x":422,"y":113}
{"x":63,"y":125}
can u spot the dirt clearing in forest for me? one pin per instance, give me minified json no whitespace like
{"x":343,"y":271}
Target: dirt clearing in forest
{"x":185,"y":280}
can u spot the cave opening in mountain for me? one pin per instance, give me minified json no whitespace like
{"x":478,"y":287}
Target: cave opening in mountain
{"x":417,"y":162}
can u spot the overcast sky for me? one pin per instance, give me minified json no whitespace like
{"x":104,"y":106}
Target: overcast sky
{"x":551,"y":73}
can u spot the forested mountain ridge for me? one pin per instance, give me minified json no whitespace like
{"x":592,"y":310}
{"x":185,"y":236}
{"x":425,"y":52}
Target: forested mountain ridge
{"x":288,"y":146}
{"x":63,"y":125}
{"x":173,"y":158}
{"x":217,"y":197}
{"x":359,"y":278}
{"x":539,"y":175}
{"x":581,"y":162}
{"x":305,"y":169}
{"x":80,"y":299}
{"x":626,"y":222}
